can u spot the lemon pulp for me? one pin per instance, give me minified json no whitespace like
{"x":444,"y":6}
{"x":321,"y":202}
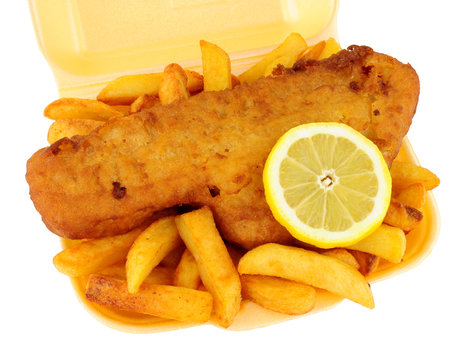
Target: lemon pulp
{"x":327,"y":184}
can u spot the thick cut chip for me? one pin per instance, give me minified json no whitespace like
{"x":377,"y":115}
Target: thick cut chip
{"x":286,"y":54}
{"x":143,"y":102}
{"x":414,"y":196}
{"x":402,"y":216}
{"x":308,"y":267}
{"x":343,"y":255}
{"x":367,"y":262}
{"x":173,"y":258}
{"x":149,"y":248}
{"x":217,"y":271}
{"x":406,"y":174}
{"x":93,"y":255}
{"x":313,"y":52}
{"x":160,"y":275}
{"x":284,"y":296}
{"x":388,"y":242}
{"x":71,"y":108}
{"x":70,"y":127}
{"x":126,"y":89}
{"x":165,"y":301}
{"x":124,"y":109}
{"x":331,"y":47}
{"x":234,"y":81}
{"x":216,"y":67}
{"x":186,"y":273}
{"x":173,"y":85}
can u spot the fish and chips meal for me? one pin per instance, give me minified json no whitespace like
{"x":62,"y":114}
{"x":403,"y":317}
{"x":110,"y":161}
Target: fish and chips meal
{"x":186,"y":194}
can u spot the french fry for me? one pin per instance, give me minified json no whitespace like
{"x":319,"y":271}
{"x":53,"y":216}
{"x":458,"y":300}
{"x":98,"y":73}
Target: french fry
{"x":173,"y":258}
{"x":186,"y":274}
{"x":343,"y":255}
{"x":286,"y":54}
{"x":160,"y":275}
{"x":126,"y":89}
{"x":124,"y":109}
{"x":402,"y":216}
{"x":313,"y":52}
{"x":414,"y":196}
{"x":216,"y":67}
{"x":388,"y":242}
{"x":71,"y":127}
{"x":280,"y":295}
{"x":331,"y":47}
{"x":285,"y":59}
{"x":310,"y":268}
{"x":94,"y":255}
{"x":143,"y":102}
{"x":234,"y":81}
{"x":71,"y":108}
{"x":218,"y":273}
{"x":367,"y":262}
{"x":149,"y":248}
{"x":165,"y":301}
{"x":173,"y":85}
{"x":406,"y":174}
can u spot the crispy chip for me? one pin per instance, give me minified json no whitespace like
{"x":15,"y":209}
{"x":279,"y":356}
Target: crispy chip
{"x":143,"y":102}
{"x":218,"y":273}
{"x":70,"y":127}
{"x":308,"y":267}
{"x":165,"y":301}
{"x":367,"y":262}
{"x":331,"y":47}
{"x":160,"y":275}
{"x":277,"y":294}
{"x":387,"y":242}
{"x":343,"y":255}
{"x":216,"y":67}
{"x":286,"y":54}
{"x":173,"y":258}
{"x":173,"y":85}
{"x":414,"y":196}
{"x":94,"y":255}
{"x":186,"y":273}
{"x":126,"y":89}
{"x":149,"y":248}
{"x":313,"y":52}
{"x":234,"y":81}
{"x":71,"y":108}
{"x":406,"y":174}
{"x":402,"y":216}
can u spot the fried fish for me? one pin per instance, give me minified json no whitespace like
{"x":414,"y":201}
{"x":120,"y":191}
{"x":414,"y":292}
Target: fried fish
{"x":210,"y":149}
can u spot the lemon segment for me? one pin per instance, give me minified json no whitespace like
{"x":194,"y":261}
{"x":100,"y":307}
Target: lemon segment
{"x":327,"y":184}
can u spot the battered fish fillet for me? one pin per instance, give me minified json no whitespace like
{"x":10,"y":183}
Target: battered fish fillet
{"x":210,"y":149}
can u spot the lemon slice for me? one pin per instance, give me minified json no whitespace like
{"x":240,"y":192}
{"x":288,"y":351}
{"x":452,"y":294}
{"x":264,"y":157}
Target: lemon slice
{"x":327,"y":184}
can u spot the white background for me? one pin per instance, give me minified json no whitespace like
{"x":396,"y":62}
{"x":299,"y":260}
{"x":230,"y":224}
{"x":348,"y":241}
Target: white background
{"x":418,"y":314}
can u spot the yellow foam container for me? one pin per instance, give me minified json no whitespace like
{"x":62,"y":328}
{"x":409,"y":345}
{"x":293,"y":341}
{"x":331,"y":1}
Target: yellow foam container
{"x":87,"y":43}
